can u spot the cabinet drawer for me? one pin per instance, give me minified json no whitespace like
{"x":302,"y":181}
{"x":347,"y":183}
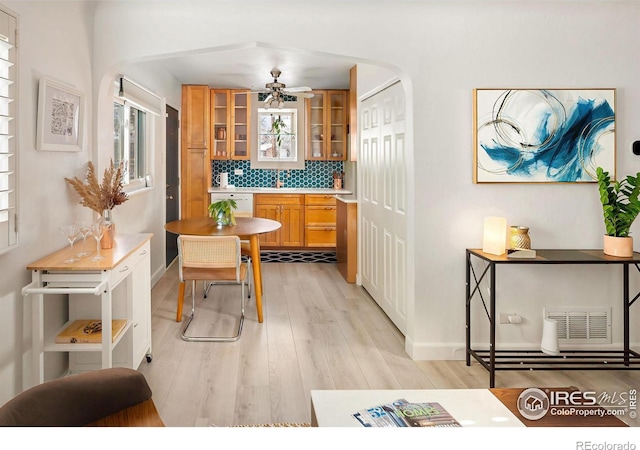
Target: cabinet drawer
{"x":320,"y":237}
{"x":320,"y":215}
{"x":278,"y":199}
{"x":320,"y":199}
{"x":126,"y":266}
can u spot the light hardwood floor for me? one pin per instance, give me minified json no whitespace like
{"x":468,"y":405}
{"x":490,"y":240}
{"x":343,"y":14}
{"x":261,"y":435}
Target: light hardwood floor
{"x":319,"y":332}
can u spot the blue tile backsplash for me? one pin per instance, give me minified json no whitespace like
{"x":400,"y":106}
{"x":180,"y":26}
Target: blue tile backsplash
{"x":316,"y":174}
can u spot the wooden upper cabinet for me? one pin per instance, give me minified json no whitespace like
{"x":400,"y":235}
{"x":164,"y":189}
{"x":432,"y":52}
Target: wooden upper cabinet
{"x":220,"y":118}
{"x":230,"y":124}
{"x":195,"y":166}
{"x":195,"y":116}
{"x":326,"y":125}
{"x":241,"y":124}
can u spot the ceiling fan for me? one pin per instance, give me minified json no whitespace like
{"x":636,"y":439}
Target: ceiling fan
{"x":277,"y":91}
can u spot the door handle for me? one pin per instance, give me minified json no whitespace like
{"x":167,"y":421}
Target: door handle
{"x":169,"y":197}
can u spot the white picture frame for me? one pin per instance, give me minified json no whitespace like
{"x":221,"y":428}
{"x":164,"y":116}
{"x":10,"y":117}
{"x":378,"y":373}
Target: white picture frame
{"x":60,"y":117}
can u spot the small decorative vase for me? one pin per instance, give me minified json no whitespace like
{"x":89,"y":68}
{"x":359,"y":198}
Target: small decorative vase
{"x":618,"y":246}
{"x":519,"y":237}
{"x":109,"y":228}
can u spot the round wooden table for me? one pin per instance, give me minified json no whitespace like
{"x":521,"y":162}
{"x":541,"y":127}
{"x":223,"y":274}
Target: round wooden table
{"x":246,"y":228}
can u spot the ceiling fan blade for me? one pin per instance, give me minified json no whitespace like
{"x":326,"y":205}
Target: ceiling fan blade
{"x":303,"y":94}
{"x":297,"y":89}
{"x":260,"y":91}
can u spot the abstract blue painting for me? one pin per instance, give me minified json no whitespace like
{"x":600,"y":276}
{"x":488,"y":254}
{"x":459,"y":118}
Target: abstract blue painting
{"x":543,"y":135}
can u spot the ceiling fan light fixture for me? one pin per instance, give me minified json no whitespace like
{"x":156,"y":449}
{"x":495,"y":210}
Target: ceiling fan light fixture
{"x":278,"y":92}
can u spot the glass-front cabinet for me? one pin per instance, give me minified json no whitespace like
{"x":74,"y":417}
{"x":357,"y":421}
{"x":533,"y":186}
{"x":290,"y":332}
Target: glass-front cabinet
{"x":219,"y":123}
{"x":240,"y":123}
{"x":327,"y":113}
{"x":230,"y":124}
{"x":315,"y":126}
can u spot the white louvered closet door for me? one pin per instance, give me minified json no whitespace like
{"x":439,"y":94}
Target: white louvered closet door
{"x":383,"y":201}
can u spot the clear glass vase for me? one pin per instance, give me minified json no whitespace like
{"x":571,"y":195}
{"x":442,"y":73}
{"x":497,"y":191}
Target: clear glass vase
{"x":223,"y":219}
{"x":109,"y":230}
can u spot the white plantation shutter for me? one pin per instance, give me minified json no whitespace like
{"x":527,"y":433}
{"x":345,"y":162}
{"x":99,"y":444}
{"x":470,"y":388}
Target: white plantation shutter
{"x":8,"y":157}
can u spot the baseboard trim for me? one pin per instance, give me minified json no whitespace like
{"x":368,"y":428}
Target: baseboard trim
{"x":434,"y":352}
{"x":158,"y":274}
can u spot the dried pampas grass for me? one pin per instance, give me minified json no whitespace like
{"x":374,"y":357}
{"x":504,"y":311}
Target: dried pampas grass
{"x":101,"y":196}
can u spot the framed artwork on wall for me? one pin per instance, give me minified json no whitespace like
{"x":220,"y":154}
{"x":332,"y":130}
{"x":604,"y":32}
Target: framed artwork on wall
{"x":60,"y":111}
{"x":543,"y":135}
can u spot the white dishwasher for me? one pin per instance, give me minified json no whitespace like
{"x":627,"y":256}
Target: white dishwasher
{"x":244,"y":200}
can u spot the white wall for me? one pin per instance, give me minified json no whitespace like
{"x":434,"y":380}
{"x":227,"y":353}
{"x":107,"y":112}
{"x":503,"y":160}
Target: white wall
{"x":45,"y":201}
{"x":144,"y":212}
{"x":442,"y":49}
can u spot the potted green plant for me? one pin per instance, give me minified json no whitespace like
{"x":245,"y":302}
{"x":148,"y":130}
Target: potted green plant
{"x":278,"y":129}
{"x":620,"y":207}
{"x":222,"y":211}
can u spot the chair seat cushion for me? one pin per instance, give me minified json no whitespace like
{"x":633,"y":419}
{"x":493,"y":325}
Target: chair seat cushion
{"x":197,"y":273}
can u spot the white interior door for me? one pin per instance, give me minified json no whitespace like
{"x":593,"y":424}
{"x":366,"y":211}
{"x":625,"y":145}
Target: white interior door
{"x":383,"y":200}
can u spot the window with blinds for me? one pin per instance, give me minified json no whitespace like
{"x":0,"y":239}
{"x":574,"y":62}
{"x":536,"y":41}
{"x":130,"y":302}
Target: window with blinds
{"x":134,"y":110}
{"x":8,"y":157}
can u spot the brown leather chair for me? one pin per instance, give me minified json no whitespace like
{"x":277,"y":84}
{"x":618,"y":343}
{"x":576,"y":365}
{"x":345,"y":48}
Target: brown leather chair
{"x":116,"y":397}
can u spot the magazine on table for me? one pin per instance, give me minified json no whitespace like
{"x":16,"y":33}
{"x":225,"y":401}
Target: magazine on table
{"x":402,"y":413}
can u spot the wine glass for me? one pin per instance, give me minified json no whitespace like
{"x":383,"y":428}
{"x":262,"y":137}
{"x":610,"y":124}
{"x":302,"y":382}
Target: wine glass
{"x":71,"y":233}
{"x":84,"y":230}
{"x":97,"y":230}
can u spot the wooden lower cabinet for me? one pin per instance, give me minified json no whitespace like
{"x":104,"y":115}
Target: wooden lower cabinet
{"x":347,"y":240}
{"x":288,"y":209}
{"x":320,"y":220}
{"x":308,"y":220}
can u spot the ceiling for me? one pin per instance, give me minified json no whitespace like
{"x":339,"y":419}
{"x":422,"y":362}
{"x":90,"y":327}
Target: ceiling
{"x":250,"y":67}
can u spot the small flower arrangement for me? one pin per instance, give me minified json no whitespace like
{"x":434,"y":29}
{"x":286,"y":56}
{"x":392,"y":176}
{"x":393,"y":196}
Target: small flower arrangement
{"x":101,"y":197}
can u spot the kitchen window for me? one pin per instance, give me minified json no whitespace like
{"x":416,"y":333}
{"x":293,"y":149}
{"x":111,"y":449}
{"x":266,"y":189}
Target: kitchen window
{"x":277,"y":134}
{"x":8,"y":133}
{"x":134,"y":111}
{"x":130,"y":142}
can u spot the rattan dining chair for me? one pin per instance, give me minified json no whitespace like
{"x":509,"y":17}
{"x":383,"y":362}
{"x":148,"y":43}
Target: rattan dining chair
{"x":245,"y":250}
{"x":209,"y":258}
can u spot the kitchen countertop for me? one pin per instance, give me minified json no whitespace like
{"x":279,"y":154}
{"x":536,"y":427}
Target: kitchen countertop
{"x":346,"y":199}
{"x":283,"y":190}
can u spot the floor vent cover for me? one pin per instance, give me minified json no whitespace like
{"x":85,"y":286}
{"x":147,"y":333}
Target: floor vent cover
{"x":582,"y":324}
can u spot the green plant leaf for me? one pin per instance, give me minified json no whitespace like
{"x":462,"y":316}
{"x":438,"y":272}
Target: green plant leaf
{"x":620,"y":203}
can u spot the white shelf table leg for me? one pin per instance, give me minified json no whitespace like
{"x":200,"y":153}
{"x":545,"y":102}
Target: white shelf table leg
{"x":107,"y":313}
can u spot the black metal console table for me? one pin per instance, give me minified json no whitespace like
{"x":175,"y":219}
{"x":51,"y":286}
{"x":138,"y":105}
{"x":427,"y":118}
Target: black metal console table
{"x":493,"y":359}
